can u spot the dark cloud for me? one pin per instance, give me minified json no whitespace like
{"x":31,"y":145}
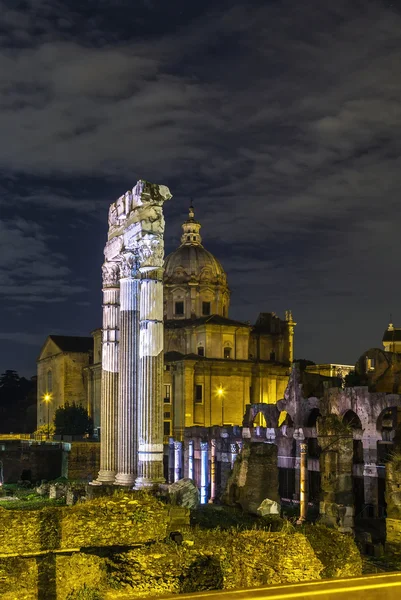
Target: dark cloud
{"x":281,"y":119}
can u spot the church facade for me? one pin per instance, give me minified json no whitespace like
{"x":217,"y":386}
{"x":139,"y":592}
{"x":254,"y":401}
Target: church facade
{"x":213,"y":365}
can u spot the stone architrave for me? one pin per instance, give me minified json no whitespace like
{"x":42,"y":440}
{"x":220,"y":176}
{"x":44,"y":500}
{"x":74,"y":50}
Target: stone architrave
{"x":109,"y":390}
{"x":132,"y":436}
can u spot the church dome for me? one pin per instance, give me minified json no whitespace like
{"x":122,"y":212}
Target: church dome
{"x":195,"y":283}
{"x":191,"y":261}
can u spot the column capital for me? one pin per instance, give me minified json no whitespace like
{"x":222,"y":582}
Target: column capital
{"x":151,"y":252}
{"x":110,"y":274}
{"x":129,"y":264}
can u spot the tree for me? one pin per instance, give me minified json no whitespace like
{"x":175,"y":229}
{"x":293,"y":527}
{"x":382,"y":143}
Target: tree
{"x":303,"y":363}
{"x":16,"y":395}
{"x":72,"y":419}
{"x":352,"y":379}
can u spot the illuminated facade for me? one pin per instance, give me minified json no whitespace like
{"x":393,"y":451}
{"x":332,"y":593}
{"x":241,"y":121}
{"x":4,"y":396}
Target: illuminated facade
{"x":213,"y":365}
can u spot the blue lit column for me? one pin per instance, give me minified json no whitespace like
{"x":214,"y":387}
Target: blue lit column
{"x":204,"y":472}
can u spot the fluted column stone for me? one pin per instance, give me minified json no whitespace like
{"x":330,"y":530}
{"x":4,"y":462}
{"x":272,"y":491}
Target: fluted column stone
{"x":150,"y":405}
{"x":109,"y":389}
{"x":128,"y":372}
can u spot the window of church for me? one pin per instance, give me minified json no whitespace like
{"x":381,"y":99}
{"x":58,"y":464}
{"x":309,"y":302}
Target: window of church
{"x":205,"y":309}
{"x":199,"y":394}
{"x":227,"y":352}
{"x":370,"y":364}
{"x":179,"y":308}
{"x":201,"y":351}
{"x":49,"y":381}
{"x":167,"y":428}
{"x":167,"y":393}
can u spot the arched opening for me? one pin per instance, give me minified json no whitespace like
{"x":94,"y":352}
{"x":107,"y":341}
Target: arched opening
{"x":352,"y":420}
{"x":285,"y":419}
{"x":259,"y":420}
{"x":386,"y":427}
{"x":313,"y":417}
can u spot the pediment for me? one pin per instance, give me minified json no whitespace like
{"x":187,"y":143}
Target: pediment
{"x":49,"y":349}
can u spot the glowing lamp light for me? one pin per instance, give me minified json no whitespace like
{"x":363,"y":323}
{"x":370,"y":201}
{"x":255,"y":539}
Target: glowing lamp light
{"x":46,"y":398}
{"x":220,"y":391}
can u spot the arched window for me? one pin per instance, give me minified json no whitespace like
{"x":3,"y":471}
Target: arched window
{"x":49,"y":381}
{"x":350,"y":418}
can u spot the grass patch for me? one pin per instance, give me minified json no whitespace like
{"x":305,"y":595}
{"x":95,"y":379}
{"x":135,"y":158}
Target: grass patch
{"x":31,"y":502}
{"x":211,"y":516}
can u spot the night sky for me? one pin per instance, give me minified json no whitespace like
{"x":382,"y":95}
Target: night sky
{"x":281,"y":119}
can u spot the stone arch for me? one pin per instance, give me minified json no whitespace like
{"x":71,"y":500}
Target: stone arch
{"x":351,"y":418}
{"x":285,"y":419}
{"x":270,"y":413}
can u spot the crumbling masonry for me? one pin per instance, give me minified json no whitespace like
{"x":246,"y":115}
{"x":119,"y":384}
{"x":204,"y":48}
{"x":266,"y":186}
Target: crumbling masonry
{"x":132,"y":344}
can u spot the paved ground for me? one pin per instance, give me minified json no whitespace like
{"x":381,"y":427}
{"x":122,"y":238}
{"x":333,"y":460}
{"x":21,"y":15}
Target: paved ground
{"x":368,"y":587}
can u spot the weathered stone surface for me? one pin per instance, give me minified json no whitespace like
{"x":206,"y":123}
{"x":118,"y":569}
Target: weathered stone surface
{"x":132,"y":422}
{"x":393,"y":487}
{"x":184,"y":493}
{"x":336,"y":462}
{"x":269,"y":507}
{"x":57,"y":490}
{"x":254,"y":477}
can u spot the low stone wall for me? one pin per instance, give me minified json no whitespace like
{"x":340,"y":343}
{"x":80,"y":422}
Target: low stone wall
{"x":393,"y":535}
{"x":118,"y":547}
{"x":83,"y":461}
{"x":122,"y":520}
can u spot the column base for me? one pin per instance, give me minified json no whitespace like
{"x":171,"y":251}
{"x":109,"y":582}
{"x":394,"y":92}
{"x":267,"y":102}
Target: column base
{"x":144,"y":482}
{"x":125,"y":479}
{"x":104,"y":477}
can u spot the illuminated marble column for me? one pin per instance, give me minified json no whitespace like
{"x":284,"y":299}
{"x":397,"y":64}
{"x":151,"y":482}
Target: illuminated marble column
{"x":212,"y":471}
{"x":204,"y":473}
{"x":128,"y":372}
{"x":190,"y":459}
{"x":233,"y":454}
{"x":177,"y":461}
{"x":150,"y":405}
{"x":303,"y":488}
{"x":109,"y":390}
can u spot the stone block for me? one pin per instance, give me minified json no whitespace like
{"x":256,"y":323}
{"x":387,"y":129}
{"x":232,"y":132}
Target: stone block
{"x":269,"y":507}
{"x":184,"y":493}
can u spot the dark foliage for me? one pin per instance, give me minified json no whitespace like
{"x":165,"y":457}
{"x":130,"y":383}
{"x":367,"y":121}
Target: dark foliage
{"x":17,"y":396}
{"x":72,"y":419}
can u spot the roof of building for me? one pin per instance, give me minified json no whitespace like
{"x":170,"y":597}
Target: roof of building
{"x":210,"y":320}
{"x":191,"y":261}
{"x":392,"y":335}
{"x":72,"y":343}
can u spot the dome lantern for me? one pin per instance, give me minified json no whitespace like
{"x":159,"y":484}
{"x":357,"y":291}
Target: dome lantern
{"x":195,"y":284}
{"x":191,"y":229}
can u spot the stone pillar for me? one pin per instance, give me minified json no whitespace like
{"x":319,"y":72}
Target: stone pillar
{"x":150,"y":406}
{"x":128,"y":372}
{"x":204,"y":473}
{"x":212,"y":470}
{"x":177,"y":461}
{"x":109,"y":389}
{"x":191,"y":459}
{"x":303,"y":493}
{"x":171,"y":459}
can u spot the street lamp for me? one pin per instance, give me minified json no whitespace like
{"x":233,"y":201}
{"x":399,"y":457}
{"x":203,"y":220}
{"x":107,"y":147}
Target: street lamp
{"x":47,"y":398}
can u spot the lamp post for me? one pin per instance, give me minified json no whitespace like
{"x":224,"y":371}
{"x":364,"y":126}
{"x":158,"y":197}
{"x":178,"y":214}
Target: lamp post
{"x":47,"y":399}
